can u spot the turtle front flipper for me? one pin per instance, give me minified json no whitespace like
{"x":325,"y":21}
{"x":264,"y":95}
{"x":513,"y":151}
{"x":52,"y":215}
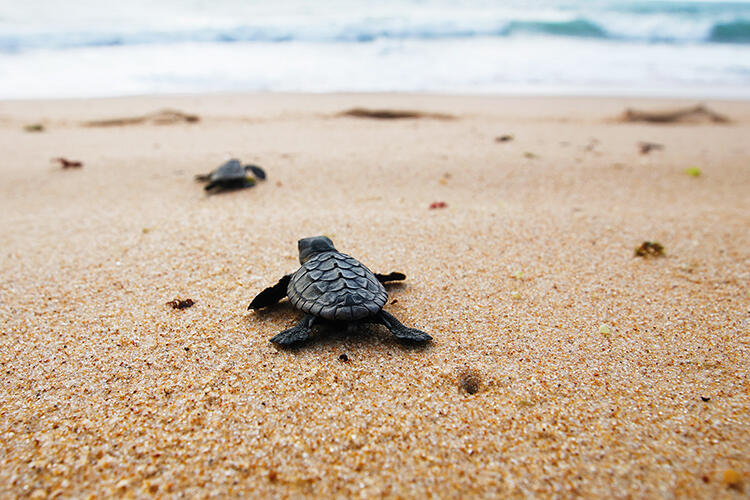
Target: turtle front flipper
{"x":271,"y":295}
{"x":203,"y":177}
{"x":298,"y":333}
{"x":257,"y":171}
{"x":395,"y":276}
{"x":399,"y":330}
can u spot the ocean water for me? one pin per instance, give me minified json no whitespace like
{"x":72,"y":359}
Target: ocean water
{"x":86,"y":48}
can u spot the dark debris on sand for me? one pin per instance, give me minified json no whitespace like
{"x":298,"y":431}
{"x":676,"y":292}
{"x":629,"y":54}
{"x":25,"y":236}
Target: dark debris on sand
{"x":34,"y":127}
{"x":180,"y":303}
{"x":650,"y":249}
{"x":646,"y":147}
{"x":65,"y":163}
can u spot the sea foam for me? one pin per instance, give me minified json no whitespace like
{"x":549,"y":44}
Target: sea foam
{"x":393,"y":45}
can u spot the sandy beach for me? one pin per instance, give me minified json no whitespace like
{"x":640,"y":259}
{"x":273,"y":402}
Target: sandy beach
{"x":598,"y":373}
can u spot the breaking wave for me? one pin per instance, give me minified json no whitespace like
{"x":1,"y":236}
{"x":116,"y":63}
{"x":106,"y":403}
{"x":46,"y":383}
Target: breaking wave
{"x":737,"y":31}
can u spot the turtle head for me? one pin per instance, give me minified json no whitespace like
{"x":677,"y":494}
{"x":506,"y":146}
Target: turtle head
{"x":315,"y":244}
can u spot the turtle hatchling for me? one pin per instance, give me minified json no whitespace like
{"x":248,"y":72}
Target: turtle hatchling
{"x":232,"y":175}
{"x":335,"y":287}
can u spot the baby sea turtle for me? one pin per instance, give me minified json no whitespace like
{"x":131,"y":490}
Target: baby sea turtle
{"x":333,"y":286}
{"x":231,"y":175}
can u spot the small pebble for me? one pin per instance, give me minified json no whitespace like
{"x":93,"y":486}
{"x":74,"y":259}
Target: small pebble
{"x":732,"y":479}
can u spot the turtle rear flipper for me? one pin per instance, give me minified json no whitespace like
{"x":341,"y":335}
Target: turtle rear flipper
{"x":203,"y":177}
{"x":271,"y":295}
{"x":399,"y":330}
{"x":298,"y":333}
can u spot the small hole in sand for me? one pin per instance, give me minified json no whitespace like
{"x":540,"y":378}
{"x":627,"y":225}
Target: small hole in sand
{"x":469,"y":381}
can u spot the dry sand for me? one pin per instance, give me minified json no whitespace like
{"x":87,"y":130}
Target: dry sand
{"x":599,"y":373}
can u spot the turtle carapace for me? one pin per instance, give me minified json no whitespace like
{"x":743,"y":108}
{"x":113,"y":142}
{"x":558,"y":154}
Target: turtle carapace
{"x":232,"y":175}
{"x":333,"y":286}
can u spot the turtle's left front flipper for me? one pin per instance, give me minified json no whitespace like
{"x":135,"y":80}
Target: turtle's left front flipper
{"x":271,"y":295}
{"x":395,"y":276}
{"x":296,"y":334}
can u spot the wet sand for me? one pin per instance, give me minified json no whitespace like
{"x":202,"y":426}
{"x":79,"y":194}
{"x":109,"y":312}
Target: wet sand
{"x":599,"y":373}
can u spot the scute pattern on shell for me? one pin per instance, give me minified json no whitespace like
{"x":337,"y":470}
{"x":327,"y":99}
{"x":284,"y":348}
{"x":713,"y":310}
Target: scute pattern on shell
{"x":230,"y":170}
{"x":335,"y":286}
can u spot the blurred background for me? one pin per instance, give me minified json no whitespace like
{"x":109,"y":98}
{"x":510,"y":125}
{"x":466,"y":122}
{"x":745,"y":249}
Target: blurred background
{"x":84,"y":48}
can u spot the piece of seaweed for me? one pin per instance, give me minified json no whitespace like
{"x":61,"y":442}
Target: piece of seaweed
{"x":161,"y":117}
{"x":692,"y":114}
{"x":393,"y":114}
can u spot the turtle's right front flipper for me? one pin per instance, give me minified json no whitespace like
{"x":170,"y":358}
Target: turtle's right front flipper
{"x":395,"y":276}
{"x":271,"y":295}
